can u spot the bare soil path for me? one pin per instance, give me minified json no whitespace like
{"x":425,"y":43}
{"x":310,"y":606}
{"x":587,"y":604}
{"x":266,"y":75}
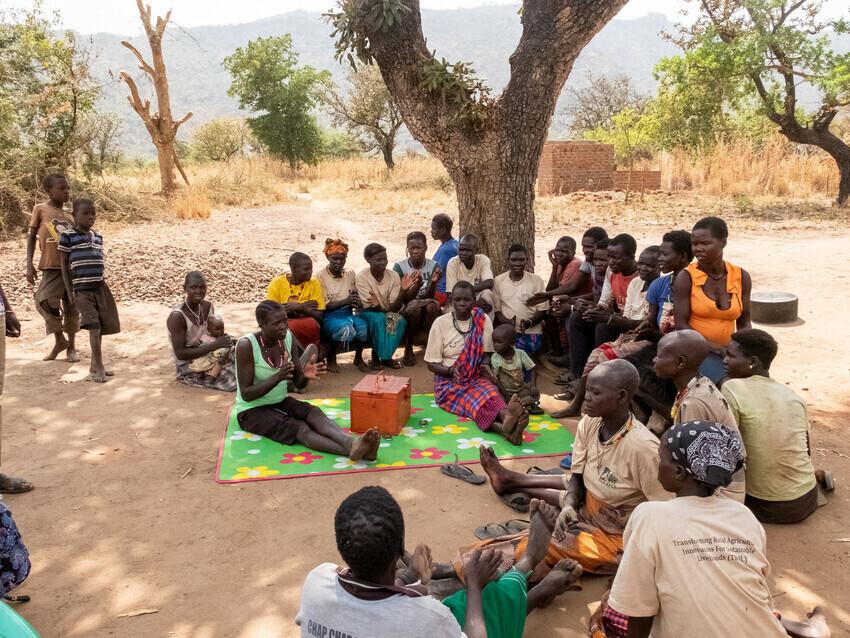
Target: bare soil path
{"x":126,"y":515}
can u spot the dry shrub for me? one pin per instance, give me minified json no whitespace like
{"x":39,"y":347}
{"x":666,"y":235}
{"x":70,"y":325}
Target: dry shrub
{"x":191,"y":203}
{"x":243,"y":181}
{"x":777,"y":168}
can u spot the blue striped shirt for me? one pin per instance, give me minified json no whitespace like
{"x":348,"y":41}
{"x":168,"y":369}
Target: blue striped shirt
{"x":85,"y":258}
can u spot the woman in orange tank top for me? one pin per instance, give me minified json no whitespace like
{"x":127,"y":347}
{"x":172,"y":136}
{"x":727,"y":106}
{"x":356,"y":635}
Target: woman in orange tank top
{"x":711,"y":295}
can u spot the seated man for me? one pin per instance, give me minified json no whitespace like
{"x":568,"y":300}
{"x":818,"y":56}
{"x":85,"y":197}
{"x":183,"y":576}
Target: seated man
{"x":371,"y":597}
{"x":419,"y":277}
{"x":301,"y":293}
{"x":341,"y":327}
{"x":511,"y":292}
{"x":588,"y":326}
{"x":629,"y":342}
{"x":475,"y":268}
{"x":615,"y":467}
{"x":680,"y":354}
{"x":566,"y":278}
{"x":774,"y":424}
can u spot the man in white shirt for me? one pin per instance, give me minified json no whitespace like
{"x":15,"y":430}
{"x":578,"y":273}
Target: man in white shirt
{"x":511,"y":292}
{"x":471,"y":266}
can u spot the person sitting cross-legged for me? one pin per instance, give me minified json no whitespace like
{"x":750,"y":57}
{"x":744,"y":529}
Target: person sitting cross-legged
{"x":341,"y":327}
{"x":302,"y":295}
{"x":782,"y":483}
{"x":511,"y":291}
{"x":457,"y":353}
{"x":697,"y":565}
{"x":614,"y":468}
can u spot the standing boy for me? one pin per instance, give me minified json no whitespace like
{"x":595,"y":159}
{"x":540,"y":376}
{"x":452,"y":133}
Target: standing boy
{"x":441,"y":230}
{"x":81,"y":259}
{"x":47,"y":223}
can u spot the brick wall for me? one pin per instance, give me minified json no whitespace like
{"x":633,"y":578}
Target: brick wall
{"x":641,"y":180}
{"x":571,"y":166}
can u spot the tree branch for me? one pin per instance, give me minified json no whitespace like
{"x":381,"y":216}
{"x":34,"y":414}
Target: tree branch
{"x":143,"y":65}
{"x":772,"y":115}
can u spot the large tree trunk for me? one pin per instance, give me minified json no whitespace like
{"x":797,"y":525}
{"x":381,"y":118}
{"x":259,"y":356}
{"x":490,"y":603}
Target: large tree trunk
{"x":494,"y":167}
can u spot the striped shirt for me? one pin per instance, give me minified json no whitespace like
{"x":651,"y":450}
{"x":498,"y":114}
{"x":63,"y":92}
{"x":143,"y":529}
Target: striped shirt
{"x":85,"y":258}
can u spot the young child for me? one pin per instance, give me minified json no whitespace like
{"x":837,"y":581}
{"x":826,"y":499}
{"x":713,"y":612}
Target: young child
{"x":514,"y":370}
{"x":81,"y":259}
{"x":210,"y":364}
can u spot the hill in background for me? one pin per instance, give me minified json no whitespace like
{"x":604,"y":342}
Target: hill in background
{"x":484,"y":36}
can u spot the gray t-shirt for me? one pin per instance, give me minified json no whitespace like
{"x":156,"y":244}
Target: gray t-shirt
{"x":329,"y":610}
{"x":403,"y":267}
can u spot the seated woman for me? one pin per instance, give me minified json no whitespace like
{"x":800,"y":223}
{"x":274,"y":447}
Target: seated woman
{"x":264,"y":364}
{"x":379,"y":291}
{"x":456,"y":352}
{"x":419,"y":277}
{"x":614,"y":468}
{"x":711,"y":295}
{"x":187,"y":330}
{"x":697,"y":565}
{"x":781,"y":481}
{"x":340,"y":326}
{"x":632,"y":317}
{"x":302,"y":295}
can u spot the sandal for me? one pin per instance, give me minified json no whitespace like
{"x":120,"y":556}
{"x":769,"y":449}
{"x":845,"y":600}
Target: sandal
{"x":562,"y":379}
{"x":567,"y":462}
{"x":535,"y":408}
{"x":828,"y":483}
{"x":519,"y":501}
{"x":497,"y":530}
{"x":458,"y":471}
{"x":555,"y":471}
{"x":10,"y":485}
{"x":566,"y":395}
{"x":392,"y":364}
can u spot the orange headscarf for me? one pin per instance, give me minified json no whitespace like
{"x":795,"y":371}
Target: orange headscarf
{"x":335,"y":246}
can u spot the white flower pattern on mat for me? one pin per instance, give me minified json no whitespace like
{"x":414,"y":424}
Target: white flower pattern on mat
{"x":343,"y":463}
{"x":410,"y":432}
{"x":254,"y":451}
{"x":529,"y":451}
{"x":241,"y":435}
{"x":475,"y":442}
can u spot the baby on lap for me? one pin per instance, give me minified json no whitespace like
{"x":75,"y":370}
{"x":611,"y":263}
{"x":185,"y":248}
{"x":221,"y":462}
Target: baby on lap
{"x":210,"y":364}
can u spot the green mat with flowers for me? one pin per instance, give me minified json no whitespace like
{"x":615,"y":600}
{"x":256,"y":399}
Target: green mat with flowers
{"x":430,"y":438}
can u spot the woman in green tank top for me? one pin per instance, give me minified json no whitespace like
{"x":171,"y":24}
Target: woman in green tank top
{"x":264,"y":364}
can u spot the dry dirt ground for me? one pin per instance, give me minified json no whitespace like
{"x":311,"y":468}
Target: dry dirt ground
{"x":126,"y":515}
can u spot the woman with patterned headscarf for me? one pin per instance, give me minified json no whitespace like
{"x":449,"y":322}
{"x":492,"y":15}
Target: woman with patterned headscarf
{"x":696,"y":565}
{"x":341,"y":325}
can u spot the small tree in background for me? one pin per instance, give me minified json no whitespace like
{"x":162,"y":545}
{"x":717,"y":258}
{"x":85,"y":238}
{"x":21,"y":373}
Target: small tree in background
{"x":222,"y":139}
{"x":339,"y":145}
{"x":368,"y":112}
{"x":766,"y":49}
{"x":160,"y":124}
{"x":594,"y":105}
{"x":100,"y":150}
{"x":267,"y":80}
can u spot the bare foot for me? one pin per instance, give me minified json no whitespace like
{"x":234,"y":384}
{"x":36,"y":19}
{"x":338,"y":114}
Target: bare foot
{"x":563,"y":577}
{"x":332,"y":367}
{"x":548,"y":512}
{"x":409,"y":359}
{"x":361,"y":365}
{"x":374,"y":364}
{"x":72,"y":355}
{"x":421,"y":562}
{"x":366,"y":447}
{"x":493,"y":469}
{"x":513,"y":412}
{"x":515,"y":437}
{"x":539,"y":535}
{"x":568,"y":412}
{"x":61,"y":346}
{"x":99,"y":375}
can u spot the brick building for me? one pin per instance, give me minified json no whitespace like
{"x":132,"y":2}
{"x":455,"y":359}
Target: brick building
{"x":567,"y":166}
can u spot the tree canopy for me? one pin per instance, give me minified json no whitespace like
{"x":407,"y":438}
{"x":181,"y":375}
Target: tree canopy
{"x":267,"y":80}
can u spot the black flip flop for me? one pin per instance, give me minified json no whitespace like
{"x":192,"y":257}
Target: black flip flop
{"x":555,"y":471}
{"x":458,"y":471}
{"x":519,"y":501}
{"x":497,"y":530}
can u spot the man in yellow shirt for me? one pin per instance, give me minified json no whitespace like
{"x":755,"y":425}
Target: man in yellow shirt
{"x":302,"y":295}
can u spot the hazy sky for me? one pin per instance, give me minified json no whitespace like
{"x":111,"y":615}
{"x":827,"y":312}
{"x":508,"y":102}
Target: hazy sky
{"x":120,"y":16}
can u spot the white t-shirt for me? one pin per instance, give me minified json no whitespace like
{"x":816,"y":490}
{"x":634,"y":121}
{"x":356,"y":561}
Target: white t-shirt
{"x":481,"y":271}
{"x":510,"y":297}
{"x":445,"y":343}
{"x":699,"y":566}
{"x":636,"y":306}
{"x":328,"y":611}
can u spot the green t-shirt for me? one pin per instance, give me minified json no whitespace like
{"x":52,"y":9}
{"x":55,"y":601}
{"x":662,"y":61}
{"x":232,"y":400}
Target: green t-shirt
{"x":262,"y":371}
{"x":511,"y":372}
